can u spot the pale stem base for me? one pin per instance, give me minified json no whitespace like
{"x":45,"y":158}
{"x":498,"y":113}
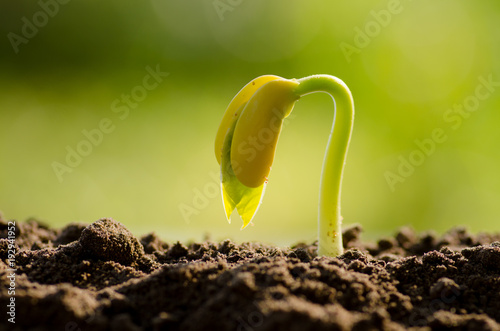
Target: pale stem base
{"x":329,"y":217}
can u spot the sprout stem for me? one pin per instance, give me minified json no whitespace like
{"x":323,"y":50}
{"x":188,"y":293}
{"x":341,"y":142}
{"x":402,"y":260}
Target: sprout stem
{"x":329,"y":217}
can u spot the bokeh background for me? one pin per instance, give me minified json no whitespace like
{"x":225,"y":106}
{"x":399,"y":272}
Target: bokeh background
{"x":65,"y":64}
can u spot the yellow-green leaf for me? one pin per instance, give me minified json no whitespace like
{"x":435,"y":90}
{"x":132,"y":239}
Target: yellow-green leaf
{"x":245,"y":200}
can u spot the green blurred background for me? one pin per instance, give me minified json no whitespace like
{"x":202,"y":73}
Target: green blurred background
{"x":407,"y":63}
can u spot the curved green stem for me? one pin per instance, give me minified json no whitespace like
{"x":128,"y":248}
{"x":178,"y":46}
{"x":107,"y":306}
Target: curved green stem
{"x":329,"y":217}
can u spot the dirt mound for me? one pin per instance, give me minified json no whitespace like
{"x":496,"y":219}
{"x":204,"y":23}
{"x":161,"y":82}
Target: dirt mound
{"x":101,"y":277}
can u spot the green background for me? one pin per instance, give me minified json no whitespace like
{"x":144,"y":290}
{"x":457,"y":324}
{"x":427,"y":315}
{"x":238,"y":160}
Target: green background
{"x":408,"y":63}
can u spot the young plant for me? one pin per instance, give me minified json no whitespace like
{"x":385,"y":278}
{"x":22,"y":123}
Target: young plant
{"x":246,"y":142}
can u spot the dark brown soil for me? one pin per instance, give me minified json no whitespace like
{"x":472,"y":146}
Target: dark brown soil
{"x":100,"y":277}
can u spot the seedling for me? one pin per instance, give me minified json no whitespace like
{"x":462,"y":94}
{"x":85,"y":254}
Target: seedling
{"x":246,"y":142}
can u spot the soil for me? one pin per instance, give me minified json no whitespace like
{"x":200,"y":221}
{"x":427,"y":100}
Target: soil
{"x":101,"y":277}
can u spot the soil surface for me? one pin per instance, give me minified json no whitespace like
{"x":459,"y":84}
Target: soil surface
{"x":101,"y":277}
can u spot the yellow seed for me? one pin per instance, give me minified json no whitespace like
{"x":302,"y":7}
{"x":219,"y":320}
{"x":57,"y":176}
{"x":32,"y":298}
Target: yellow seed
{"x":257,"y":130}
{"x":234,"y":109}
